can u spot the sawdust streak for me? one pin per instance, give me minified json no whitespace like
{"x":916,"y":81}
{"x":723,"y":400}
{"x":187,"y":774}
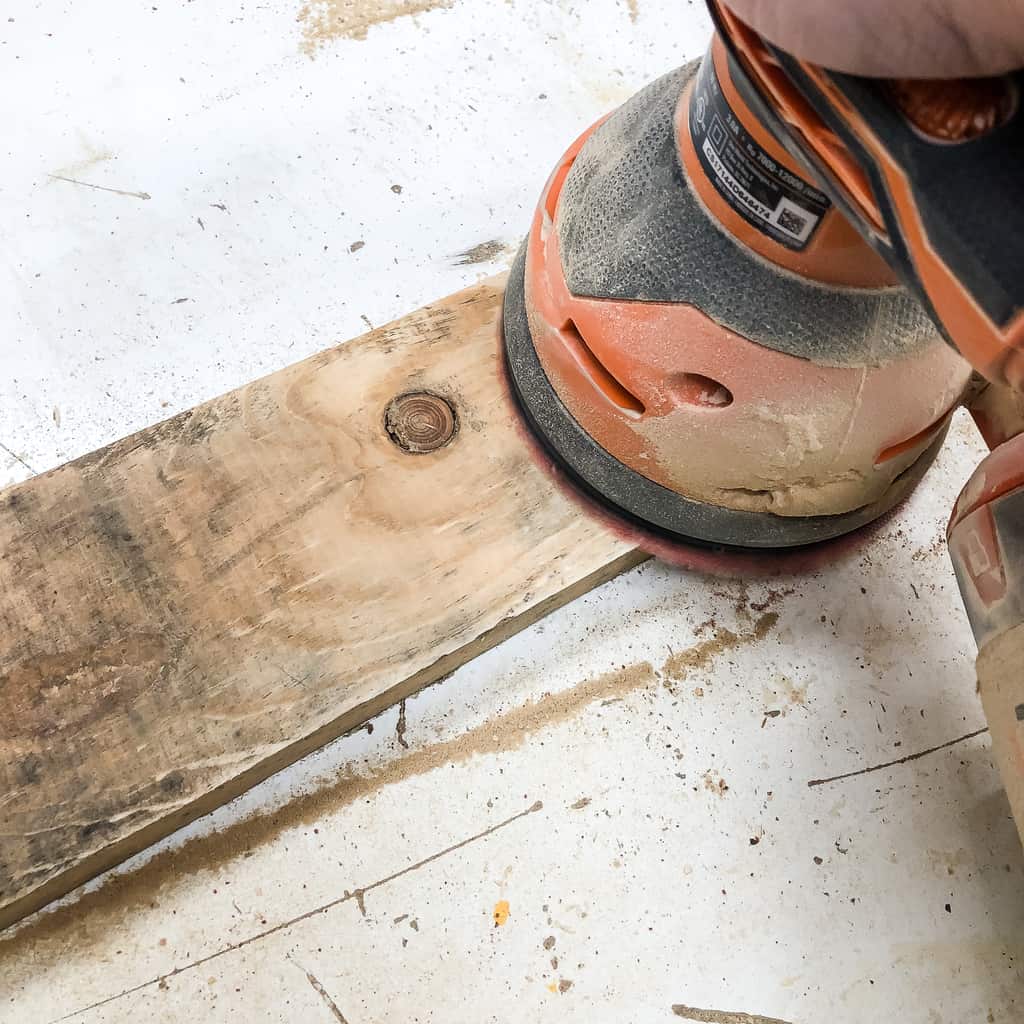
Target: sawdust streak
{"x":701,"y":655}
{"x":318,"y":988}
{"x":722,"y":1017}
{"x":485,"y":252}
{"x":291,"y":922}
{"x":634,"y":10}
{"x":323,"y":21}
{"x":91,"y":918}
{"x":898,"y":761}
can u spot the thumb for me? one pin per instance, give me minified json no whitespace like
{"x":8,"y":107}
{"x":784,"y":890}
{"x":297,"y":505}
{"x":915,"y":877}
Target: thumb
{"x":895,"y":38}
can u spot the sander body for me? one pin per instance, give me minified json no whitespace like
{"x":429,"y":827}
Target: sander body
{"x":704,"y":342}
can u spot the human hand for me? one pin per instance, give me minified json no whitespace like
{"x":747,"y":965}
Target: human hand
{"x":895,"y":38}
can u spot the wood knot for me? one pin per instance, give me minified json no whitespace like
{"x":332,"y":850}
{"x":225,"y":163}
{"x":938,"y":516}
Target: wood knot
{"x":420,"y":422}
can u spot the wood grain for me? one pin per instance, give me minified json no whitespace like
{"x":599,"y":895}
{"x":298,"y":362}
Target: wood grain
{"x":195,"y":607}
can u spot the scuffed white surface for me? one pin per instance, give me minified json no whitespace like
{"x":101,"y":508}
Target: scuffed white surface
{"x":653,"y":891}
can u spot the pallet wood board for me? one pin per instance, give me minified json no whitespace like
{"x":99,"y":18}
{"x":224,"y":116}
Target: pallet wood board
{"x":197,"y":606}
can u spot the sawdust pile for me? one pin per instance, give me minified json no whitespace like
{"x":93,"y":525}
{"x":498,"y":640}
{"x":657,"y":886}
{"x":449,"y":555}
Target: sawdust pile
{"x":325,"y":20}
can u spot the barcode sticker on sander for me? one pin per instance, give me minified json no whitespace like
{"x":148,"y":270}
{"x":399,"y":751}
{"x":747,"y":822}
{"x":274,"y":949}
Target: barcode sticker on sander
{"x":767,"y":195}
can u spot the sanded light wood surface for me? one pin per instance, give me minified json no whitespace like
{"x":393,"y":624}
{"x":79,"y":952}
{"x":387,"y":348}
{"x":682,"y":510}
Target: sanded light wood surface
{"x":190,"y":609}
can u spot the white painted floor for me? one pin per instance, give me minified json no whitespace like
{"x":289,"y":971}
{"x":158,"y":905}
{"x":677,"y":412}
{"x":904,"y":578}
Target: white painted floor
{"x":631,"y":789}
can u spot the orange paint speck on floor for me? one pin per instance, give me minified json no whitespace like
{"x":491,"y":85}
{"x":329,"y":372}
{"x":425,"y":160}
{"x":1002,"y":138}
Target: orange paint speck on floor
{"x":502,"y":912}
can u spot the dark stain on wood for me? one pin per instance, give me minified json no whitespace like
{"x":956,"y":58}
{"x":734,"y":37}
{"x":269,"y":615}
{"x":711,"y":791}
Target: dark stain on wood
{"x":172,"y":783}
{"x":29,"y":769}
{"x":51,"y":694}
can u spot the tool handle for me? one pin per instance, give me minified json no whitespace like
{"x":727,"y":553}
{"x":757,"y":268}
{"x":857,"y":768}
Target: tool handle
{"x":1001,"y":688}
{"x":929,"y":172}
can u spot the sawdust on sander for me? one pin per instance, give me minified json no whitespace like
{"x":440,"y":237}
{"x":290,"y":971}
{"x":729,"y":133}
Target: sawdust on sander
{"x":808,"y":446}
{"x":325,"y":20}
{"x":91,"y":918}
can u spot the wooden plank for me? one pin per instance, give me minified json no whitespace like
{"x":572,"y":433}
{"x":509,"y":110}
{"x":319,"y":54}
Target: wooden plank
{"x":193,"y":608}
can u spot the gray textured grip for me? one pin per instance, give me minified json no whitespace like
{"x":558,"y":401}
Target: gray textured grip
{"x":631,"y":227}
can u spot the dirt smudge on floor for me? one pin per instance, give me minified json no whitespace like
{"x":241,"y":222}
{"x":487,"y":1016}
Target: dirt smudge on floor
{"x":323,"y":21}
{"x":93,"y":155}
{"x":693,"y":1013}
{"x":714,"y":783}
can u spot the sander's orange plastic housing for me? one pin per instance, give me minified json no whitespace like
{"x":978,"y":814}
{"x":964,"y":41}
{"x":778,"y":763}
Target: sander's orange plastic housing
{"x":715,"y":352}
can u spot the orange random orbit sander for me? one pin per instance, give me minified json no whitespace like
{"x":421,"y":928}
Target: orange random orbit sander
{"x":705,"y":344}
{"x":750,"y":302}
